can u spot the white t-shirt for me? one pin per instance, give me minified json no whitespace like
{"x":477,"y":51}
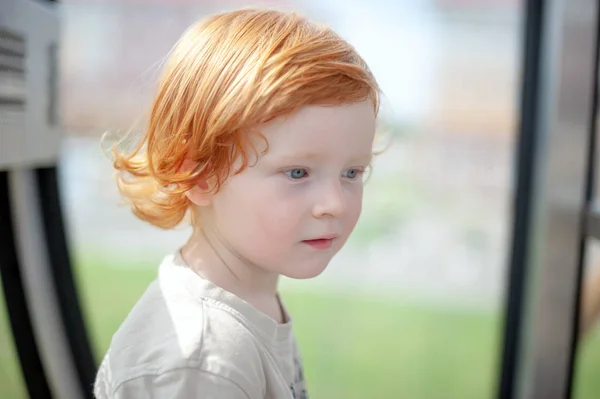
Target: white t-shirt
{"x":188,"y":338}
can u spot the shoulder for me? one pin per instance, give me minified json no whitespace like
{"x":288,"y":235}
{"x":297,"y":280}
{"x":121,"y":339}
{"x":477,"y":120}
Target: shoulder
{"x":175,"y":337}
{"x":176,"y":383}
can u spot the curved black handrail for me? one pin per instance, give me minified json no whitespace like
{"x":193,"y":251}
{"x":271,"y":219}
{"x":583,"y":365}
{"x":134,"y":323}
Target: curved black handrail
{"x":16,"y":301}
{"x":62,"y":275}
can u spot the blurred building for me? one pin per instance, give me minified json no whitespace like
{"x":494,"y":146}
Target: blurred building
{"x":112,"y":52}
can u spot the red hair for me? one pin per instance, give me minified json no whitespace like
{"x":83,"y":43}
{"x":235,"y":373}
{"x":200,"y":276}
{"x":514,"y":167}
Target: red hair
{"x":226,"y":75}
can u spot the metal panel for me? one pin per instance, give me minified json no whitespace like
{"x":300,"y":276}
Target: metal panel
{"x":553,"y":254}
{"x":29,"y":135}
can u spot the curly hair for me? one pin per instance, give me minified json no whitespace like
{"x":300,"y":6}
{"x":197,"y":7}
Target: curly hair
{"x":226,"y":75}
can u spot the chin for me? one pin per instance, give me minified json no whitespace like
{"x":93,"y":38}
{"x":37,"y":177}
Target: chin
{"x":306,"y":271}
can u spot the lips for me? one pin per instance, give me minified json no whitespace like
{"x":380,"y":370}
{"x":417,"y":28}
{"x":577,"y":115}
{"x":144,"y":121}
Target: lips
{"x":324,"y":242}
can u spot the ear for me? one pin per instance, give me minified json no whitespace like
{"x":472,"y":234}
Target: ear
{"x":200,"y":194}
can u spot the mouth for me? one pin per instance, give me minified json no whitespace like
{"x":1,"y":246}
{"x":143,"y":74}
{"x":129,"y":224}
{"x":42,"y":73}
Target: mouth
{"x":321,"y":243}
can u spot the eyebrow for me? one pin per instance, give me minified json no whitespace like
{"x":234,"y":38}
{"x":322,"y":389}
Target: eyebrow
{"x":313,"y":155}
{"x":365,"y":159}
{"x":300,"y":156}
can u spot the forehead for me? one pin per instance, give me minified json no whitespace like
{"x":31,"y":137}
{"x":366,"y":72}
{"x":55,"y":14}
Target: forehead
{"x":323,"y":129}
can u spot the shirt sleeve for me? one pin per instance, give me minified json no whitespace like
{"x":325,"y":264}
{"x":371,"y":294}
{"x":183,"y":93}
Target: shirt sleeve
{"x":179,"y":384}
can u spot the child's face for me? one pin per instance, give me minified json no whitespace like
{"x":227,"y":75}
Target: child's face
{"x":293,"y":209}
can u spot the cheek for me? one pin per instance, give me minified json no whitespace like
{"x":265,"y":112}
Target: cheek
{"x":267,"y":231}
{"x":264,"y":214}
{"x":354,"y":209}
{"x":277,"y":221}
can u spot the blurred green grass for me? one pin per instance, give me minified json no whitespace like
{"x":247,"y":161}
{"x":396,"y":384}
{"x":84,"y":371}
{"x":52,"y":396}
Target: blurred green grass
{"x":354,"y":346}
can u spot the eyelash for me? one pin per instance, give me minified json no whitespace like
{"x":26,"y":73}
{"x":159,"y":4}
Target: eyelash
{"x":359,"y":172}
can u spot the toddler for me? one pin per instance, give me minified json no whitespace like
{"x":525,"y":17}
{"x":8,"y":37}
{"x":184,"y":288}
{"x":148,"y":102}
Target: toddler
{"x":260,"y":133}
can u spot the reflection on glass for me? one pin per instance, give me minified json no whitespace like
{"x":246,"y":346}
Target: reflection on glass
{"x":411,"y":307}
{"x":12,"y":384}
{"x":585,"y":378}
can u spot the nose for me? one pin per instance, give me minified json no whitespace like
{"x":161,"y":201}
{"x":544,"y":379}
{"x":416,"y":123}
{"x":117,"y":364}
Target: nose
{"x":331,"y":201}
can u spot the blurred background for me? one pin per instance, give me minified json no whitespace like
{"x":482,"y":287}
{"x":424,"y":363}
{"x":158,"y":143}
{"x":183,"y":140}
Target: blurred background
{"x":412,"y":307}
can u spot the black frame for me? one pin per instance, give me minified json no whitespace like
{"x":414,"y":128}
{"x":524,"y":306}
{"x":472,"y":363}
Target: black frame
{"x":524,"y":175}
{"x":553,"y":216}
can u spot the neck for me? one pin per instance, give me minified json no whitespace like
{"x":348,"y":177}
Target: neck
{"x":209,"y":255}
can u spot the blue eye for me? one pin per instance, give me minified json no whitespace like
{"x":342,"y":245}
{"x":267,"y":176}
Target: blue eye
{"x":352,"y":174}
{"x":296,"y":174}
